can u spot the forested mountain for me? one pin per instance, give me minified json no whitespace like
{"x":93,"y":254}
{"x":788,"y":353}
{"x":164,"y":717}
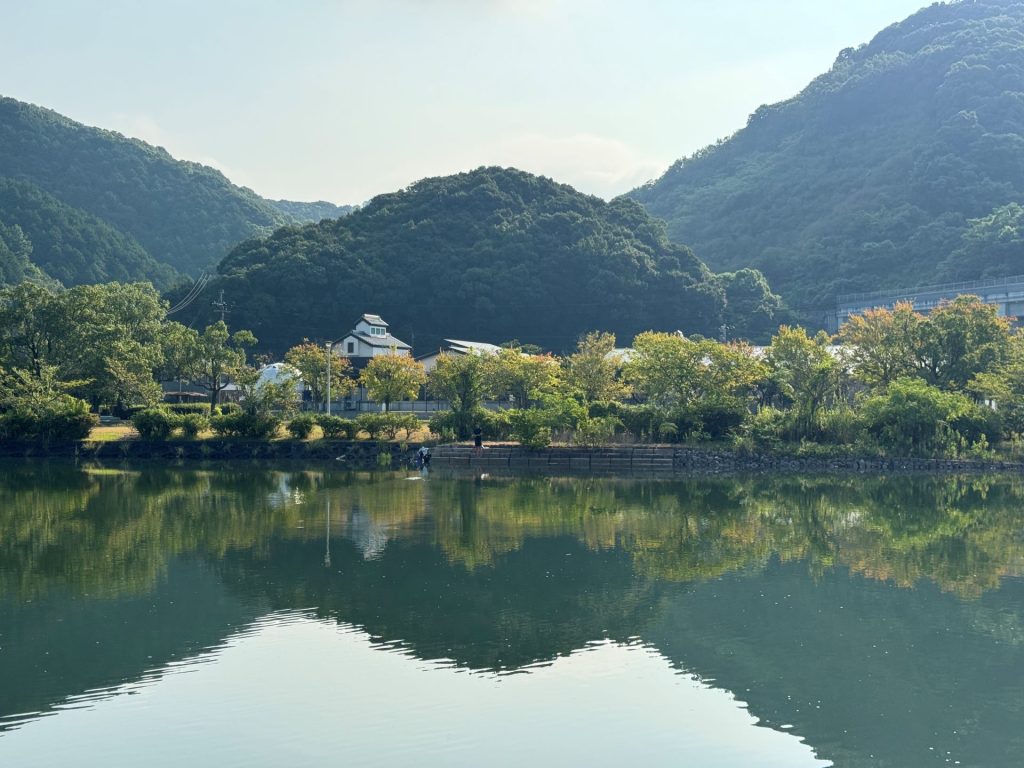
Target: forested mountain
{"x":487,"y":255}
{"x":310,"y":213}
{"x":15,"y":257}
{"x":903,"y":165}
{"x":73,"y":246}
{"x":135,"y":211}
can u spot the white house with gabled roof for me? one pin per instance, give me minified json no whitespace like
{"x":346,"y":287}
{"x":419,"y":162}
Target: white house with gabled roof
{"x":370,"y":338}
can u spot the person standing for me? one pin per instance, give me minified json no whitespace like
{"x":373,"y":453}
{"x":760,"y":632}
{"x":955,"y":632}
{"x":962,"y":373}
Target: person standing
{"x":478,"y":441}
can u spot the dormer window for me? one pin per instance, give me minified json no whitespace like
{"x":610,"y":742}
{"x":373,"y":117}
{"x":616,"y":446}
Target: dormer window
{"x":376,"y":330}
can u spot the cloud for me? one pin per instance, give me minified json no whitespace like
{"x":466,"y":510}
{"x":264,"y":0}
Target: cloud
{"x":593,"y":164}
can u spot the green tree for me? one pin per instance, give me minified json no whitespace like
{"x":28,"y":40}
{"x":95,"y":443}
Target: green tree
{"x":805,"y":374}
{"x":881,"y":344}
{"x":109,"y":335}
{"x":961,"y":339}
{"x":217,"y":356}
{"x":392,"y":377}
{"x":671,"y":371}
{"x":594,"y":369}
{"x":310,"y":360}
{"x":461,"y":380}
{"x":28,"y":326}
{"x":521,"y":377}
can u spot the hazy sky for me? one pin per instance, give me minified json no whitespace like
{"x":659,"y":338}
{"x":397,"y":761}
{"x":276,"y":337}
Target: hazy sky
{"x":344,"y":99}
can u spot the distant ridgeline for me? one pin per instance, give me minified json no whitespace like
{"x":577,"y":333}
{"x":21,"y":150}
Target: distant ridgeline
{"x":87,"y":205}
{"x":902,"y":166}
{"x":490,"y":255}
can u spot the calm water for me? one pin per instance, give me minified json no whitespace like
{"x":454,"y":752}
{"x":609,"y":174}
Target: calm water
{"x":256,"y":618}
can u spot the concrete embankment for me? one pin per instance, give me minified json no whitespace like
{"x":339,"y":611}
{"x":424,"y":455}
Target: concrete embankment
{"x":359,"y":454}
{"x":668,"y":460}
{"x":369,"y":454}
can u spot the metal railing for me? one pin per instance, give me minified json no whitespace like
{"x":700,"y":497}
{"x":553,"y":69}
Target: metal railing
{"x":907,"y":293}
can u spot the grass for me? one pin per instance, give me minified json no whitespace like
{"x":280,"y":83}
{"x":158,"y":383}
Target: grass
{"x":112,"y":433}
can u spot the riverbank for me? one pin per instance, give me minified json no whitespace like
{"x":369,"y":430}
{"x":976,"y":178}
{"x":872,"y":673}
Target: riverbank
{"x":611,"y":460}
{"x":674,"y":460}
{"x":350,"y":454}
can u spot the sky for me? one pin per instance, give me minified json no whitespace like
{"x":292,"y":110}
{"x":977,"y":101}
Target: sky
{"x":341,"y":100}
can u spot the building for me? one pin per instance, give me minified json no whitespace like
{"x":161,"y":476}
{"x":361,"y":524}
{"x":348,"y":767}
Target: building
{"x":1006,"y":293}
{"x":369,"y":339}
{"x":457,"y":347}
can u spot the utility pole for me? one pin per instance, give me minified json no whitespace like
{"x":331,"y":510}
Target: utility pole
{"x":221,"y":306}
{"x":328,"y":404}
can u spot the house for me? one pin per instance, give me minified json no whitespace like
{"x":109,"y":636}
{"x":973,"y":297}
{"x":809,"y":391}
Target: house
{"x":457,"y":347}
{"x":369,"y":339}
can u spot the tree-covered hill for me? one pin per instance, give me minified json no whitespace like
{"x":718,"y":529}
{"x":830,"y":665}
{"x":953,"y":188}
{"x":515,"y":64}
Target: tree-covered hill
{"x":179,"y":214}
{"x":309,"y":213}
{"x":73,"y":246}
{"x":903,"y":165}
{"x":489,"y":255}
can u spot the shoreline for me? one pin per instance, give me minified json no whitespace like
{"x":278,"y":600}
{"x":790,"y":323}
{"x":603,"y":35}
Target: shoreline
{"x":660,"y":461}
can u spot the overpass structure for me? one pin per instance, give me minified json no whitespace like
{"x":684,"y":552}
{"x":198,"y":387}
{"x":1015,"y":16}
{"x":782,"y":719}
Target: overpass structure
{"x":1007,"y":293}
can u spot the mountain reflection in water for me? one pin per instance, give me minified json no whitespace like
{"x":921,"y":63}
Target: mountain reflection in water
{"x":878,"y":619}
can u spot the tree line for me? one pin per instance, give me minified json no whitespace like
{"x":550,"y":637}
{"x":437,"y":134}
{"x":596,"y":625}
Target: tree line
{"x":893,"y":380}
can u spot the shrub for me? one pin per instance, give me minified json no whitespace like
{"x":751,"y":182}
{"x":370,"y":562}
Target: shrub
{"x":203,"y":408}
{"x":193,"y":423}
{"x":445,"y":424}
{"x":301,"y":426}
{"x":335,"y":427}
{"x":372,"y":424}
{"x":531,"y":427}
{"x":766,"y":427}
{"x":839,"y":426}
{"x":72,"y":423}
{"x":642,"y":421}
{"x":154,"y":423}
{"x":914,"y":418}
{"x":600,"y":430}
{"x":494,"y":424}
{"x":245,"y":425}
{"x":227,"y":408}
{"x":668,"y":431}
{"x":66,"y":419}
{"x":405,"y":422}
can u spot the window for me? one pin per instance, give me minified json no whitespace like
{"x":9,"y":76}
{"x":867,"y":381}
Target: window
{"x":378,"y":331}
{"x":351,"y":348}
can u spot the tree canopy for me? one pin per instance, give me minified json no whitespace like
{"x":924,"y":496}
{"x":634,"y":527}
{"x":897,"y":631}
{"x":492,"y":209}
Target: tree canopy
{"x":485,"y":255}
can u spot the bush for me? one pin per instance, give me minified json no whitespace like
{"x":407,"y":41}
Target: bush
{"x":600,"y":430}
{"x":66,"y":425}
{"x":766,"y":427}
{"x":372,"y":424}
{"x":154,"y":423}
{"x":839,"y":426}
{"x":335,"y":427}
{"x":245,"y":425}
{"x":388,"y":425}
{"x":67,"y":419}
{"x":202,"y":408}
{"x":193,"y":423}
{"x":301,"y":426}
{"x":227,"y":408}
{"x":914,"y":418}
{"x":642,"y":421}
{"x":531,"y":427}
{"x":449,"y":426}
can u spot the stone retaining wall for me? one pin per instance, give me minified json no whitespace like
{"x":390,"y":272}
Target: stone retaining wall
{"x":360,"y":454}
{"x":666,"y":460}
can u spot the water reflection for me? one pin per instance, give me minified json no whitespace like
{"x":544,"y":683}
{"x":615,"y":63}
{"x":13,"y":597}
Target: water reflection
{"x":878,"y":619}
